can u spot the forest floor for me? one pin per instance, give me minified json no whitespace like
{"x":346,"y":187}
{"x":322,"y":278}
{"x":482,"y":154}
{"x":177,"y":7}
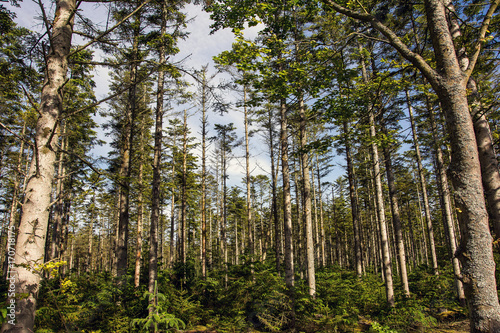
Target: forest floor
{"x":462,"y":326}
{"x":458,"y":326}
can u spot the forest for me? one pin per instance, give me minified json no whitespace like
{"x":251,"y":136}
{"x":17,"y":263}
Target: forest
{"x":334,"y":170}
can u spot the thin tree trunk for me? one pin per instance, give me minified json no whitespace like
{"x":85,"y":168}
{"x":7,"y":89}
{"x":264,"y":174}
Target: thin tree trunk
{"x":396,"y":220}
{"x":287,"y":200}
{"x":184,"y":192}
{"x":203,"y":176}
{"x":157,"y":167}
{"x":321,"y":224}
{"x":384,"y":242}
{"x":353,"y":194}
{"x":250,"y":222}
{"x":306,"y":188}
{"x":140,"y":214}
{"x":224,"y":209}
{"x":12,"y":226}
{"x":91,"y":233}
{"x":58,"y":207}
{"x":125,"y":167}
{"x":423,"y":185}
{"x":277,"y":229}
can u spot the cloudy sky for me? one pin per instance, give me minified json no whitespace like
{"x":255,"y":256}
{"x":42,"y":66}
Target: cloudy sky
{"x":198,"y":48}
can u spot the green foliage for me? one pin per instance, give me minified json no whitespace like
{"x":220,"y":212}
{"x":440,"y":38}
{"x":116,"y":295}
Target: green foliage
{"x":157,"y":316}
{"x":377,"y":328}
{"x":344,"y":302}
{"x":409,"y":315}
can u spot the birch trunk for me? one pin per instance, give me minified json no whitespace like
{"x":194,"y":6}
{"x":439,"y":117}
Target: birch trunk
{"x":31,"y":240}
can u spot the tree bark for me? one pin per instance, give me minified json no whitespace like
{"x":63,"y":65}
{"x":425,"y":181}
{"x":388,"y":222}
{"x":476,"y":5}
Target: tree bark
{"x":396,"y":221}
{"x":443,"y":186}
{"x":423,"y":185}
{"x":184,"y":194}
{"x":91,"y":233}
{"x":379,"y":199}
{"x":353,"y":194}
{"x":287,"y":199}
{"x":250,"y":222}
{"x":487,"y":157}
{"x":475,"y":252}
{"x":31,"y":240}
{"x":203,"y":175}
{"x":125,"y":167}
{"x":12,"y":226}
{"x":59,"y":205}
{"x":277,"y":229}
{"x":449,"y":82}
{"x":321,"y":221}
{"x":140,"y":213}
{"x":306,"y":190}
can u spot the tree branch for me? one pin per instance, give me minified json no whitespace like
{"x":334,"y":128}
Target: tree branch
{"x":481,"y":39}
{"x":16,"y":135}
{"x":392,"y":39}
{"x":80,"y":48}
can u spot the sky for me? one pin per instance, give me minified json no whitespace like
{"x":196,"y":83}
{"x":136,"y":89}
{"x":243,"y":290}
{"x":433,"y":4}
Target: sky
{"x":197,"y":50}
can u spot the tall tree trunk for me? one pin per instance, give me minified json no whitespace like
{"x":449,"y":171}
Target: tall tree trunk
{"x":423,"y":185}
{"x":287,"y":200}
{"x":442,"y":180}
{"x":321,"y":221}
{"x":224,"y":209}
{"x":487,"y":157}
{"x":140,"y":213}
{"x":203,"y":175}
{"x":12,"y":226}
{"x":384,"y":240}
{"x":91,"y":233}
{"x":277,"y":229}
{"x":353,"y":194}
{"x":396,"y":221}
{"x":59,"y":202}
{"x":306,"y":188}
{"x":172,"y":216}
{"x":287,"y":207}
{"x":184,"y":196}
{"x":157,"y":167}
{"x":250,"y":222}
{"x":125,"y":167}
{"x":31,"y":240}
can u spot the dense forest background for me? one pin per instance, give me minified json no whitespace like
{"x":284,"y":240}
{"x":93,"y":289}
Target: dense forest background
{"x":335,"y":170}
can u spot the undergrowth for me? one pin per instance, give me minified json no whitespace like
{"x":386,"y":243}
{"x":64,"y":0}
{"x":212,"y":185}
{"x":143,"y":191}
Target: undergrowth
{"x":243,"y":302}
